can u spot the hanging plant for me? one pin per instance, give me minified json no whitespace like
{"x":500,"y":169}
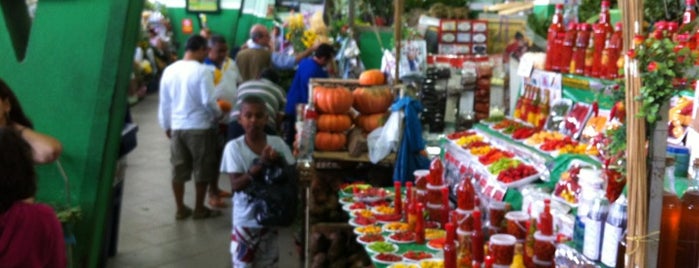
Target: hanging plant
{"x":664,"y":69}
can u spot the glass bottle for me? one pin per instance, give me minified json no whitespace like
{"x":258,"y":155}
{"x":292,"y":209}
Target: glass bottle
{"x":450,"y":247}
{"x":546,"y":219}
{"x":307,"y":134}
{"x":582,"y":40}
{"x":594,"y":228}
{"x":616,"y":44}
{"x":465,"y":195}
{"x":543,"y":111}
{"x":412,"y":213}
{"x":436,"y":172}
{"x":602,"y":30}
{"x":614,"y":229}
{"x":518,"y":260}
{"x":689,"y":14}
{"x":670,"y":218}
{"x":408,"y":200}
{"x":687,"y":248}
{"x":567,"y":47}
{"x":554,"y":30}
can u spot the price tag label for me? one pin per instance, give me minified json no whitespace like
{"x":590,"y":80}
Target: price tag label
{"x":546,"y":80}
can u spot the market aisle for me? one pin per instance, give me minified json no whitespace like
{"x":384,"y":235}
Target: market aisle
{"x":149,"y":236}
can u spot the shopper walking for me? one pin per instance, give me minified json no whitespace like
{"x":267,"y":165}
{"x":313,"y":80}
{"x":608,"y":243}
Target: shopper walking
{"x":226,"y":79}
{"x":257,"y":55}
{"x":311,"y":67}
{"x":188,"y":113}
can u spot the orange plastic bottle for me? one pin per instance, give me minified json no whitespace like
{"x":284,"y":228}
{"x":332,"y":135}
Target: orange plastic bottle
{"x":601,"y":30}
{"x":555,"y":29}
{"x":582,"y":40}
{"x":616,"y":44}
{"x":567,"y":48}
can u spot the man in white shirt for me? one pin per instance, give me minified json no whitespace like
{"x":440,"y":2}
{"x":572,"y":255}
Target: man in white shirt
{"x":188,"y":112}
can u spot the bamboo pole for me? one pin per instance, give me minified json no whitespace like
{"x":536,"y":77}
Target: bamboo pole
{"x":636,"y":165}
{"x":397,"y":36}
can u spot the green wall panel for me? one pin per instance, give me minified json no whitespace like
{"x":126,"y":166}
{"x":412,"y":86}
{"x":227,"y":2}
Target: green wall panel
{"x":72,"y":84}
{"x":223,"y":23}
{"x":371,"y":51}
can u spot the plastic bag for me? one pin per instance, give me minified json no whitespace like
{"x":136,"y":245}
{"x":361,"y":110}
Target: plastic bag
{"x":274,"y":196}
{"x":385,"y":139}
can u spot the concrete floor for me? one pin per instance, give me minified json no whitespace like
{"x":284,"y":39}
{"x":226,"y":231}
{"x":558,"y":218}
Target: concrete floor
{"x":149,"y":235}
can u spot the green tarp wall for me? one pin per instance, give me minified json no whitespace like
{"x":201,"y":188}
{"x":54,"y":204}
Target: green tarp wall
{"x":72,"y":83}
{"x":223,"y":23}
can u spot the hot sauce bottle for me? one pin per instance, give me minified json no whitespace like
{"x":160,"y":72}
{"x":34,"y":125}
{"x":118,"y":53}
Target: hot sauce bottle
{"x":412,"y":213}
{"x":398,"y":202}
{"x":582,"y":39}
{"x":436,"y":172}
{"x":445,"y":207}
{"x":450,"y":247}
{"x":546,"y":219}
{"x":555,"y":29}
{"x":477,"y":238}
{"x":566,"y":54}
{"x":602,"y":30}
{"x":689,"y":16}
{"x":465,"y":195}
{"x":408,"y":199}
{"x":616,"y":43}
{"x":420,"y":224}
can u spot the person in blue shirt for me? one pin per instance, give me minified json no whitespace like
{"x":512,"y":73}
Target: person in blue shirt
{"x":311,"y":67}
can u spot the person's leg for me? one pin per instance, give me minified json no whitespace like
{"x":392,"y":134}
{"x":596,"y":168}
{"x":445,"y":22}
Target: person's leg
{"x":289,"y":130}
{"x":246,"y":242}
{"x":268,"y":250}
{"x":180,"y":158}
{"x":216,"y":195}
{"x":205,"y":168}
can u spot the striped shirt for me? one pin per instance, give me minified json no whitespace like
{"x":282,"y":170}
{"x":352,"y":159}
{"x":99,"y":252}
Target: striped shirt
{"x":269,"y":92}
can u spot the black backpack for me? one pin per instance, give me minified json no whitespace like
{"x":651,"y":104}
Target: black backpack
{"x":274,"y":195}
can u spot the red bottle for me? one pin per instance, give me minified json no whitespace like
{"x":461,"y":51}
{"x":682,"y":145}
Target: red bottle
{"x":616,"y":44}
{"x":408,"y":200}
{"x":398,"y":199}
{"x":465,"y":195}
{"x":582,"y":40}
{"x":436,"y":172}
{"x":602,"y":30}
{"x":554,"y":31}
{"x":546,"y":219}
{"x":450,"y":247}
{"x":445,"y":206}
{"x":567,"y":47}
{"x":689,"y":16}
{"x":420,"y":224}
{"x":477,"y":238}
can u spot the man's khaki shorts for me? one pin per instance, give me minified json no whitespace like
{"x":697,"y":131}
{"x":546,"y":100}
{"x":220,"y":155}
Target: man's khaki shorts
{"x":193,"y":153}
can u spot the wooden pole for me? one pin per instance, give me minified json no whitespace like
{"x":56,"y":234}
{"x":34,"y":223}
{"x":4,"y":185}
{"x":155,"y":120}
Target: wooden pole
{"x":636,"y":165}
{"x":397,"y":35}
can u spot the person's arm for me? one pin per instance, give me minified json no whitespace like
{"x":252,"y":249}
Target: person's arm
{"x":45,"y":149}
{"x":206,"y":90}
{"x":305,"y":53}
{"x":240,"y":181}
{"x":164,"y":109}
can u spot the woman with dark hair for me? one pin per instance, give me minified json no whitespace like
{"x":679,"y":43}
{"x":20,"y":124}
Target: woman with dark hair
{"x":30,"y":234}
{"x":45,"y":149}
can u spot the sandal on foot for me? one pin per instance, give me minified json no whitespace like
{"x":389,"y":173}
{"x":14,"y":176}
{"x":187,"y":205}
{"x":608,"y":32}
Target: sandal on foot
{"x":206,"y":213}
{"x":185,"y":213}
{"x":217,"y":202}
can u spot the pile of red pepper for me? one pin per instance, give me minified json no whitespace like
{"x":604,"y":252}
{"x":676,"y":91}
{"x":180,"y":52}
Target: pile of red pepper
{"x":516,"y":173}
{"x":554,"y":144}
{"x":457,"y":135}
{"x":494,"y":155}
{"x":523,"y":133}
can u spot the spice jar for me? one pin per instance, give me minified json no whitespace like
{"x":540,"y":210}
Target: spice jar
{"x":544,"y":246}
{"x":496,"y":214}
{"x":434,"y":193}
{"x":464,"y":219}
{"x":502,"y":248}
{"x":517,"y":224}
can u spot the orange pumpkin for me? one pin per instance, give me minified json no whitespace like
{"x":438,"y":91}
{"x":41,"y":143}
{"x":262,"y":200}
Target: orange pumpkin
{"x":372,"y":100}
{"x":336,"y":100}
{"x":372,"y":77}
{"x":334,"y":122}
{"x":330,"y":141}
{"x":371,"y":121}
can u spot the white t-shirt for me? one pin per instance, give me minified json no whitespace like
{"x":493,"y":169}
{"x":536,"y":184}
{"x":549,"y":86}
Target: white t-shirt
{"x":237,"y":158}
{"x":186,"y":97}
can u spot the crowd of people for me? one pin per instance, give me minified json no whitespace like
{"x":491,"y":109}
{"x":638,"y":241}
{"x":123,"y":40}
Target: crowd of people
{"x":222,"y":115}
{"x":207,"y":138}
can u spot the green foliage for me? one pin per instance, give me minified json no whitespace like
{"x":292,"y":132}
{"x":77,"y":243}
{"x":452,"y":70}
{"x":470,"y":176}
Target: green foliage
{"x":659,"y":65}
{"x":539,"y":26}
{"x":657,"y":10}
{"x":426,"y":4}
{"x":589,"y":9}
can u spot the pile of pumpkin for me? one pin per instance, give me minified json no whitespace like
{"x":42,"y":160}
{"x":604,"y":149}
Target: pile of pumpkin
{"x":371,"y":99}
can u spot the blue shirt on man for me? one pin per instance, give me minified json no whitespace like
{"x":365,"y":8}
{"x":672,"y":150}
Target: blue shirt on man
{"x":298,"y":93}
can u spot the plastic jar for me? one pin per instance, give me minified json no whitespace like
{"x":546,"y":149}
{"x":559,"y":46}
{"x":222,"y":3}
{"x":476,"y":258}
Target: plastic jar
{"x":434,"y":193}
{"x":421,"y":196}
{"x":544,"y":247}
{"x":464,"y":220}
{"x":517,"y":224}
{"x":502,"y":248}
{"x":464,"y":243}
{"x":542,"y":264}
{"x":434,"y":211}
{"x":421,"y":176}
{"x":496,"y":214}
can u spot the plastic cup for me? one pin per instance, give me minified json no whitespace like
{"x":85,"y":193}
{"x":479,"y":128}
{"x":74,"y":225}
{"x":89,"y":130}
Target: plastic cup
{"x":502,"y":248}
{"x":517,"y":224}
{"x":544,"y":247}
